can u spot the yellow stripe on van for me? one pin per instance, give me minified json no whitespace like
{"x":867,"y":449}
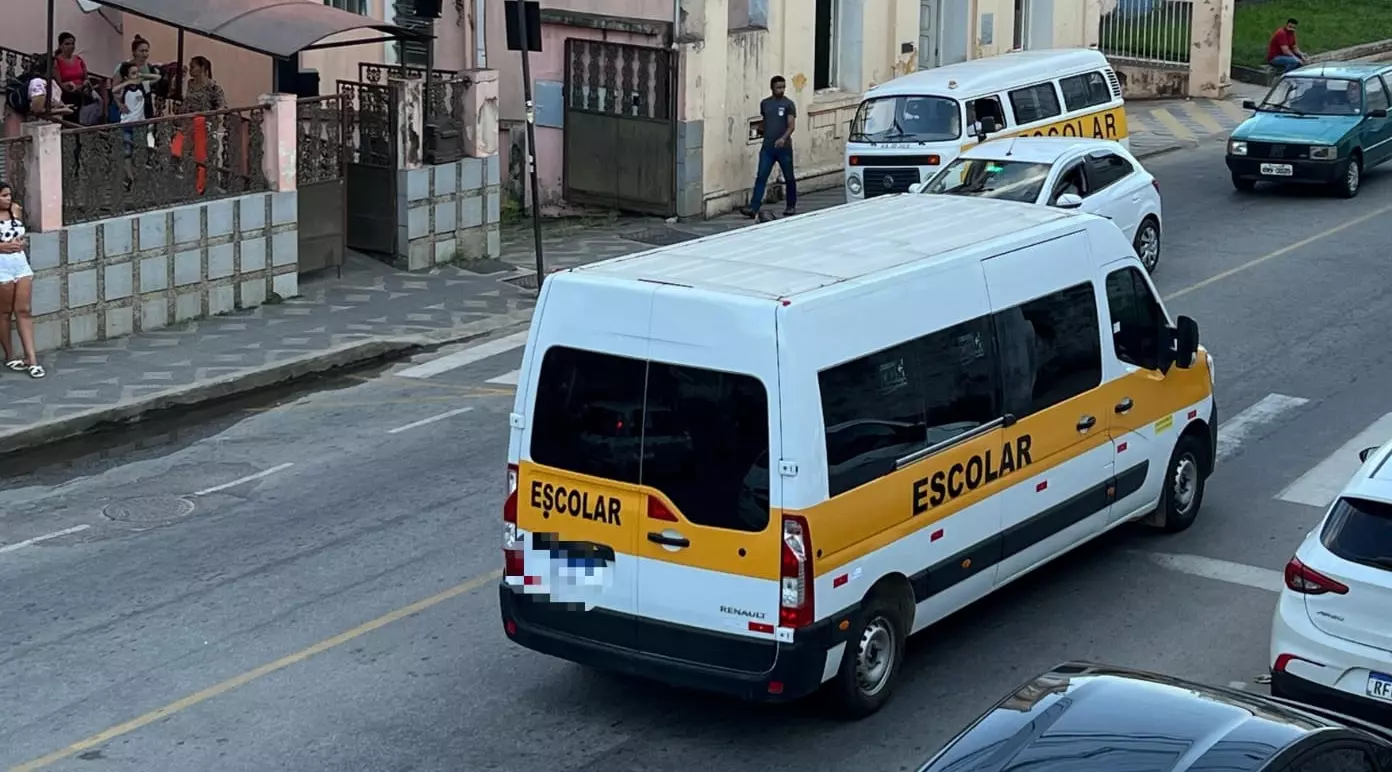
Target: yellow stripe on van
{"x":1102,"y":124}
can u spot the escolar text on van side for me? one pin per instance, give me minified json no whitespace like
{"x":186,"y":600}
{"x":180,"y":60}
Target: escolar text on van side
{"x":561,"y":500}
{"x":947,"y":484}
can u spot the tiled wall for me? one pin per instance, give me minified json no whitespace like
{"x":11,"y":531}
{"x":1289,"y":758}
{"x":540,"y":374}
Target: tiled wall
{"x":448,"y":212}
{"x":113,"y":277}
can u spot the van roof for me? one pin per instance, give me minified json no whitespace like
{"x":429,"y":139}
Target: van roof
{"x":796,"y":255}
{"x":976,"y":76}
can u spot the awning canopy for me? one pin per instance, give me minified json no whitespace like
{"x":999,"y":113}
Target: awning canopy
{"x":280,"y":28}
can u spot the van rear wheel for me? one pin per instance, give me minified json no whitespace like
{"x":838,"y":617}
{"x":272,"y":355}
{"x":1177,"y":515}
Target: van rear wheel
{"x":872,"y":660}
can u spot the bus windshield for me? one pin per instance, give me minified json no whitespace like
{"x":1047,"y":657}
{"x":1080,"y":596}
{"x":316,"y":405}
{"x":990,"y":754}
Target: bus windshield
{"x":907,"y":119}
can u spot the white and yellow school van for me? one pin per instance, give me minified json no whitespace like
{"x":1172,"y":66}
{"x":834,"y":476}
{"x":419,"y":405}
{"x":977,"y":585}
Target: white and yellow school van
{"x":756,"y":462}
{"x":907,"y":129}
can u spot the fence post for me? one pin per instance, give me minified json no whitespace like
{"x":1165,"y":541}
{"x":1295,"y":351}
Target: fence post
{"x":409,"y":95}
{"x":43,"y":173}
{"x":280,"y":158}
{"x":1210,"y":49}
{"x":481,"y":114}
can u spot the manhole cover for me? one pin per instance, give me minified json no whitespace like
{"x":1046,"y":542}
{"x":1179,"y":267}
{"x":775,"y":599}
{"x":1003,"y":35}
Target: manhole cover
{"x":661,"y":236}
{"x":149,"y":509}
{"x":525,"y":281}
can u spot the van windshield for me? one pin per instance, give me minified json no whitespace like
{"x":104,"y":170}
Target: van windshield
{"x":699,"y":436}
{"x":990,"y":178}
{"x":907,"y":119}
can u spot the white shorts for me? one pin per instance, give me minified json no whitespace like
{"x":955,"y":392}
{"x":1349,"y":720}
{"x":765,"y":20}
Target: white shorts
{"x":13,"y":267}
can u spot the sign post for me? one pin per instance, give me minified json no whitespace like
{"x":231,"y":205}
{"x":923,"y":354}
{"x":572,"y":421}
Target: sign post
{"x":524,"y":35}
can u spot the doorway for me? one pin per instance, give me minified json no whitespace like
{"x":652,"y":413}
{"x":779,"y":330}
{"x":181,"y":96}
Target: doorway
{"x":929,"y":35}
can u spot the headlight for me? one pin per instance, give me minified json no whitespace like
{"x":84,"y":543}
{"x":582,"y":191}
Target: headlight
{"x":853,"y":185}
{"x":1324,"y":152}
{"x":1237,"y":147}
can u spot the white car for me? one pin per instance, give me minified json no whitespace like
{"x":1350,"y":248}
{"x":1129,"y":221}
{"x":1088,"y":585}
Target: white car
{"x":1331,"y":635}
{"x":1098,"y":176}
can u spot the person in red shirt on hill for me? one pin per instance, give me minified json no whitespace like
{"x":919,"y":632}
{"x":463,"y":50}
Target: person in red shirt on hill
{"x":1282,"y":52}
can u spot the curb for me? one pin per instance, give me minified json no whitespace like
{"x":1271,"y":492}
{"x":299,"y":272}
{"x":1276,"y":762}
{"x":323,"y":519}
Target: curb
{"x":349,"y":355}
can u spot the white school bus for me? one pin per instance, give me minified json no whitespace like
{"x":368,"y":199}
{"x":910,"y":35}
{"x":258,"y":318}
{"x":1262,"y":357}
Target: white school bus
{"x":756,"y":462}
{"x":907,"y":129}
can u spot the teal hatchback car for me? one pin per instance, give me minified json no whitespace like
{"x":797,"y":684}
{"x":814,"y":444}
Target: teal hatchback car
{"x":1321,"y":124}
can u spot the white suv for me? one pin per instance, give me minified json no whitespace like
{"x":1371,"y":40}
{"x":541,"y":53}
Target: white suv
{"x":1331,"y":635}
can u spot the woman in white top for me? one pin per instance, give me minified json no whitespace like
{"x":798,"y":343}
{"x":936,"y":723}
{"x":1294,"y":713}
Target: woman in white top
{"x":16,"y":287}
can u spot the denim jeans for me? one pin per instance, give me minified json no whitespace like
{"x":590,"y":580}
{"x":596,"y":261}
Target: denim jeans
{"x":1284,"y":63}
{"x":768,"y":156}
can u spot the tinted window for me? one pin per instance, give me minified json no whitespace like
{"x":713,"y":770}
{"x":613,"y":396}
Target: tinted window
{"x":1360,"y":531}
{"x":1375,"y":94}
{"x":1034,"y":103}
{"x":1086,"y":90}
{"x":1136,"y":317}
{"x":700,"y":437}
{"x":1051,"y":349}
{"x":1336,"y":760}
{"x":887,"y":405}
{"x":1106,"y":169}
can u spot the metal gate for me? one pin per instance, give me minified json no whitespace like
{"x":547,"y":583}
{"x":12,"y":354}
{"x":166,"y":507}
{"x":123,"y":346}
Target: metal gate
{"x":370,"y":167}
{"x":620,"y":127}
{"x":323,"y":202}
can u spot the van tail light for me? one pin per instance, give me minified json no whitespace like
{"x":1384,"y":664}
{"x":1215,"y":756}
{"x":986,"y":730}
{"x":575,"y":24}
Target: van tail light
{"x":1307,"y":581}
{"x":512,"y":544}
{"x":1154,"y":183}
{"x":795,"y":574}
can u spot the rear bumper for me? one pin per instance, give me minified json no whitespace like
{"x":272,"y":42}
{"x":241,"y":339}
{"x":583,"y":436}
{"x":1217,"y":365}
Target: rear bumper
{"x":1307,"y":172}
{"x":797,"y":670}
{"x":1325,"y":671}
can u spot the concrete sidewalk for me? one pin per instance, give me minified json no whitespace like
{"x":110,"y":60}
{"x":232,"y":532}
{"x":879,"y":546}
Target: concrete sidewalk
{"x":372,"y":312}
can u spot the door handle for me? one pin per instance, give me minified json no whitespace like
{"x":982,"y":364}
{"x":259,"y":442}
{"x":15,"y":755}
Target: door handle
{"x":1086,"y":422}
{"x":669,"y":541}
{"x":1125,"y":405}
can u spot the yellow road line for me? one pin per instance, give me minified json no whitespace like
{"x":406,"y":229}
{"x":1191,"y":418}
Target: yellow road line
{"x":1278,"y":253}
{"x":1234,"y":110}
{"x":1135,"y":125}
{"x":1171,"y":124}
{"x":1201,"y":117}
{"x":251,"y":675}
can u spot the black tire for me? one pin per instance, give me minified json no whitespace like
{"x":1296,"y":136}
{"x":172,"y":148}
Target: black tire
{"x":1244,"y":185}
{"x":880,"y":627}
{"x":1184,"y":484}
{"x":1147,"y":234}
{"x":1350,"y":178}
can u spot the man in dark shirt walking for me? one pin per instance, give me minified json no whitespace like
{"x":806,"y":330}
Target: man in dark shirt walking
{"x":780,"y":119}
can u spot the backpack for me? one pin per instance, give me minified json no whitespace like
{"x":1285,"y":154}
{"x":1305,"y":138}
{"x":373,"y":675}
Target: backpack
{"x":17,"y":95}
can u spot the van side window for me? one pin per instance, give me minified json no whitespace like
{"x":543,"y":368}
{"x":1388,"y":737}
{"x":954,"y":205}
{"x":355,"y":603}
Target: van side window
{"x":1035,"y":103}
{"x":700,"y":436}
{"x":1136,"y":318}
{"x":1086,"y":90}
{"x":889,"y":404}
{"x":1050,"y":349}
{"x":985,"y":106}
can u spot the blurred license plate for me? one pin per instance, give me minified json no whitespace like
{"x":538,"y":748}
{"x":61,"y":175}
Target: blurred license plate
{"x":1380,"y":687}
{"x":1277,"y":170}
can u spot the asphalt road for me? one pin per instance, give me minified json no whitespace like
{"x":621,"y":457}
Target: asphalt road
{"x":271,"y":626}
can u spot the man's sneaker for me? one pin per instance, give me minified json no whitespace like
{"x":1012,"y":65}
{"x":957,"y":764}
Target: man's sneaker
{"x":747,"y":212}
{"x":789,"y":212}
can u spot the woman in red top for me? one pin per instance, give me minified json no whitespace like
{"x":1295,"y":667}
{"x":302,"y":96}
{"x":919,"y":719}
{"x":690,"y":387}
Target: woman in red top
{"x":70,"y":71}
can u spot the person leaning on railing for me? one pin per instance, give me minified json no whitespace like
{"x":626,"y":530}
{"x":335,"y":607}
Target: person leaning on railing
{"x":37,"y":102}
{"x":204,"y":95}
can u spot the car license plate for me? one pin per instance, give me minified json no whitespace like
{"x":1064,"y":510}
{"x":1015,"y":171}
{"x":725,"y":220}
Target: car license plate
{"x":1380,"y":687}
{"x":1277,"y":170}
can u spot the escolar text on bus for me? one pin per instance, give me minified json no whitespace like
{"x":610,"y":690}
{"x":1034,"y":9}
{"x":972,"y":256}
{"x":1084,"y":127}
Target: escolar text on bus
{"x":561,"y":500}
{"x":947,"y":484}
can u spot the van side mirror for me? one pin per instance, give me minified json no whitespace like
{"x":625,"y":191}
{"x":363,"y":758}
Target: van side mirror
{"x":916,"y":187}
{"x":1364,"y":453}
{"x":1069,"y":201}
{"x":988,"y":126}
{"x":1186,"y":341}
{"x":1248,"y":104}
{"x":1378,"y":113}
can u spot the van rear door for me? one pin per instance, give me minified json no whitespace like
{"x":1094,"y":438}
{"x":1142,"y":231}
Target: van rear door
{"x":579,"y":455}
{"x":708,"y":580}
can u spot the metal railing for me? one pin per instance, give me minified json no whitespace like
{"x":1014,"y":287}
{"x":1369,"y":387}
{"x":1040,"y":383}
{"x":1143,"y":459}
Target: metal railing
{"x":124,"y":168}
{"x":14,"y":166}
{"x":1159,"y":31}
{"x":444,"y":119}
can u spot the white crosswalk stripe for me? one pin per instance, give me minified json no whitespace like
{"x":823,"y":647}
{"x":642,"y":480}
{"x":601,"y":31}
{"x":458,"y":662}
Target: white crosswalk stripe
{"x":506,"y":379}
{"x":1319,"y":486}
{"x":1247,"y":425}
{"x":466,"y":356}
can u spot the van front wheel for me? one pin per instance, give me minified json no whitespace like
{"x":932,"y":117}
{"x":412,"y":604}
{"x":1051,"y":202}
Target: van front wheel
{"x":1184,"y":486}
{"x":872,"y":659}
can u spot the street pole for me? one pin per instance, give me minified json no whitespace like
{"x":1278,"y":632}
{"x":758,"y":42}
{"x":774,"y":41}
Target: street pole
{"x":531,"y":141}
